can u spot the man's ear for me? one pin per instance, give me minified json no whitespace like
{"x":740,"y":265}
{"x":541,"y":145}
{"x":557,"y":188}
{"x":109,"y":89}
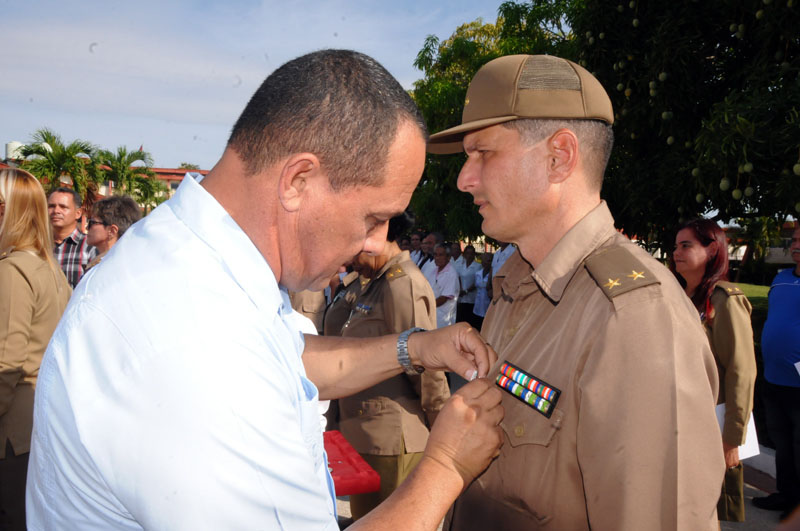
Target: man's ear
{"x":114,"y":230}
{"x":78,"y":213}
{"x":562,"y":155}
{"x":295,"y":177}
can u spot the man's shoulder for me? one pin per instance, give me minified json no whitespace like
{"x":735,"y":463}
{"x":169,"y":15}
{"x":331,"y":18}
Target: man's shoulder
{"x":622,"y":267}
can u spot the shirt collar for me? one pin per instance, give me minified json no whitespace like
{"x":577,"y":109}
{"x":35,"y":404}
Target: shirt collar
{"x":561,"y":263}
{"x":75,"y":236}
{"x":212,"y":224}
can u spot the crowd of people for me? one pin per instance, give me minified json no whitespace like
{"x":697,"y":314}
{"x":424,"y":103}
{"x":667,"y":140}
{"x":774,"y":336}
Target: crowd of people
{"x":176,"y":388}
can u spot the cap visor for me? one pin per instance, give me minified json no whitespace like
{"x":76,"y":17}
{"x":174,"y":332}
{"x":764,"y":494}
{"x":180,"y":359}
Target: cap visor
{"x":451,"y":140}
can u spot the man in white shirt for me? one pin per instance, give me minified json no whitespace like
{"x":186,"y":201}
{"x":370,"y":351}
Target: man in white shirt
{"x":466,"y":269}
{"x":456,"y":256}
{"x":500,"y":257}
{"x":178,"y":391}
{"x":444,"y":281}
{"x":416,"y":241}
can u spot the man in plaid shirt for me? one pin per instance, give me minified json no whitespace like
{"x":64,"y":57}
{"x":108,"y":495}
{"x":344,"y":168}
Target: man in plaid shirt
{"x":71,"y":250}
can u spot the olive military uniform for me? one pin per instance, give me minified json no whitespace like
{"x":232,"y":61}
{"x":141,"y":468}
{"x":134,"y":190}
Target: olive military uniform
{"x":612,"y":423}
{"x":730,"y":333}
{"x":310,"y":304}
{"x":389,"y":423}
{"x":33,"y":298}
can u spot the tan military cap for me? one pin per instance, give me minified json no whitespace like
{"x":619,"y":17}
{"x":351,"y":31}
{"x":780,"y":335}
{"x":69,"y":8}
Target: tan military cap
{"x":526,"y":86}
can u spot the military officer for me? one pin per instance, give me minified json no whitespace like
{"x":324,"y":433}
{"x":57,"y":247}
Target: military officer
{"x":388,"y":424}
{"x":311,"y":304}
{"x":609,"y":383}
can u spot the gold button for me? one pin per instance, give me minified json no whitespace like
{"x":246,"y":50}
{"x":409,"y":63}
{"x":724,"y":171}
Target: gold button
{"x":519,"y":430}
{"x":360,"y":412}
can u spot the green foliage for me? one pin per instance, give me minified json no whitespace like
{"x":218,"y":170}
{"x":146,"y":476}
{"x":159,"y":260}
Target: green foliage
{"x":706,"y":98}
{"x":188,"y":166}
{"x":448,"y":67}
{"x":149,"y":192}
{"x":121,"y":167}
{"x":136,"y":180}
{"x":48,"y":158}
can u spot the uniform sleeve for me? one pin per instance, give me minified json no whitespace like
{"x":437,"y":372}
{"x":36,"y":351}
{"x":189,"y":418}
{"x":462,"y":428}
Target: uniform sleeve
{"x":16,"y":313}
{"x":732,"y":339}
{"x":648,"y":442}
{"x":409,"y":304}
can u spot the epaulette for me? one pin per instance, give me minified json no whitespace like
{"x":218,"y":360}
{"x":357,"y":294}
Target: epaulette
{"x":728,"y":288}
{"x":395,"y":272}
{"x":349,"y":278}
{"x":616,"y":270}
{"x":5,"y":253}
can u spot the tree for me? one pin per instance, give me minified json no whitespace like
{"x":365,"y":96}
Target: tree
{"x":121,"y":167}
{"x":48,"y":158}
{"x":707,"y":115}
{"x":188,"y":166}
{"x":149,"y":192}
{"x":448,"y":67}
{"x":705,"y":93}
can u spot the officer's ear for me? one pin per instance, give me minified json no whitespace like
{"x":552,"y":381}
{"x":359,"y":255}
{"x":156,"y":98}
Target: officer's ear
{"x":562,"y":155}
{"x":298,"y":173}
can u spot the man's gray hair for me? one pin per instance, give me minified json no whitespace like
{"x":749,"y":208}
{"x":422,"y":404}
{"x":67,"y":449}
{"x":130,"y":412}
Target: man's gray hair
{"x":595,"y":140}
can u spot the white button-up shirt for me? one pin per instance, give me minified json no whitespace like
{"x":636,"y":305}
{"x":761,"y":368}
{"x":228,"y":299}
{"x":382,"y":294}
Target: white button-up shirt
{"x":445,"y":284}
{"x":173,"y":393}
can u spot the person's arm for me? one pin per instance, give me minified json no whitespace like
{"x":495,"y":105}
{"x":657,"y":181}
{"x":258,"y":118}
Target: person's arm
{"x":464,"y":440}
{"x":648,"y":432}
{"x":16,"y":311}
{"x":732,"y":339}
{"x":339,"y":366}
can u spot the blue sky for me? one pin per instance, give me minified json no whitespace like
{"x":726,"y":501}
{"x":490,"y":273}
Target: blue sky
{"x":173,"y":76}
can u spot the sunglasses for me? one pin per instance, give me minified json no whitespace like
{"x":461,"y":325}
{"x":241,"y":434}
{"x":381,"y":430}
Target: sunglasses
{"x":92,"y":222}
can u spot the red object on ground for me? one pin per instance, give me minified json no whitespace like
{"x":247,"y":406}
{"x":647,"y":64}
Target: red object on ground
{"x":351,"y":474}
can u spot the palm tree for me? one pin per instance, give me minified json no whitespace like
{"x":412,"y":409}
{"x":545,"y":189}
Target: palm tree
{"x":48,"y":158}
{"x":149,"y":192}
{"x":121,"y":167}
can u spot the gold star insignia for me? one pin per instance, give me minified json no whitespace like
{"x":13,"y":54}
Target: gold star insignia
{"x":636,"y":275}
{"x":611,"y":283}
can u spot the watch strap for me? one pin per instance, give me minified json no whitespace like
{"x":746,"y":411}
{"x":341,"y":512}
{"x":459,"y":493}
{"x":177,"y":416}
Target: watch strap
{"x":402,"y":352}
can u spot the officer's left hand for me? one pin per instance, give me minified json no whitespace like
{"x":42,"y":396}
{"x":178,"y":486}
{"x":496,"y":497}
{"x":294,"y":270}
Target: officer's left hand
{"x":458,"y":348}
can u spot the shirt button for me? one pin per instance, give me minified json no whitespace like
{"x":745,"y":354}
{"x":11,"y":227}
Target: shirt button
{"x":519,"y":430}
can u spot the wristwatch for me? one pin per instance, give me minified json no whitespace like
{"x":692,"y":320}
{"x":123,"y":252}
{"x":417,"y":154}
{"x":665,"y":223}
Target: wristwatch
{"x":402,"y":352}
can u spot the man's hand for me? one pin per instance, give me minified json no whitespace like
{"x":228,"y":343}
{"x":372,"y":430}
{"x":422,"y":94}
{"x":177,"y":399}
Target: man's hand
{"x":466,"y":435}
{"x":458,"y":348}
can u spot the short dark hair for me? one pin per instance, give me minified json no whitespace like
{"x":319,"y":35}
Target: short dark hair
{"x":119,"y":210}
{"x":341,"y":105}
{"x":76,"y":197}
{"x":399,"y":225}
{"x":595,"y":136}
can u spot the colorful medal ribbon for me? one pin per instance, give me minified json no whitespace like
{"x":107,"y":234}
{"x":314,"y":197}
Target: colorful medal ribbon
{"x":529,"y":389}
